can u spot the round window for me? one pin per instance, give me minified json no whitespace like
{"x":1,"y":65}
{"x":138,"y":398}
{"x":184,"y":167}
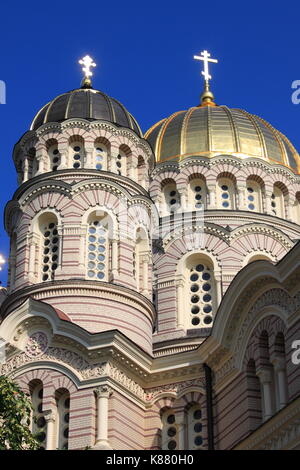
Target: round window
{"x":171,"y":419}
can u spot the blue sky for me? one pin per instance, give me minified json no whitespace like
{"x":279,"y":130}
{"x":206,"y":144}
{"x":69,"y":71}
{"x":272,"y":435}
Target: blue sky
{"x":144,"y":53}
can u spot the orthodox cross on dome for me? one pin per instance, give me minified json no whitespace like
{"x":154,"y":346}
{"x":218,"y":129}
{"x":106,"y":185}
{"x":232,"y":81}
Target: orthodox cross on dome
{"x":207,"y":97}
{"x":87,"y":63}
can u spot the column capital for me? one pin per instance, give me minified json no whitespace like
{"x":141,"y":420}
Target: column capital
{"x":264,"y":374}
{"x":49,"y":415}
{"x":180,"y":281}
{"x":145,"y":258}
{"x":103,"y":391}
{"x":279,"y":363}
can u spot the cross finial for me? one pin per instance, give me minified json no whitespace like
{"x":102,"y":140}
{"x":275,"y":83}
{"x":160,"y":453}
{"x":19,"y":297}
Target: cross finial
{"x":207,"y":97}
{"x":87,"y":63}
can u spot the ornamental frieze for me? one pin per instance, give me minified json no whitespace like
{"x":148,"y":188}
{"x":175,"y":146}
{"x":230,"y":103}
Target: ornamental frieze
{"x":58,"y":355}
{"x":178,"y":387}
{"x":277,"y":297}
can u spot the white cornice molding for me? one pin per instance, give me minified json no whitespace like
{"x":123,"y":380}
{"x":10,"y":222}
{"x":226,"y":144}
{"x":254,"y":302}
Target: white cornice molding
{"x":281,"y":432}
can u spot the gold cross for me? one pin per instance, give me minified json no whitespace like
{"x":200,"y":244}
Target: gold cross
{"x":88,"y":62}
{"x":205,"y":56}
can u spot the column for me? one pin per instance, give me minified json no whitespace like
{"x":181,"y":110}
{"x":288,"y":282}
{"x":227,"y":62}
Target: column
{"x":50,"y":434}
{"x":114,"y":257}
{"x":268,"y":200}
{"x":32,"y":252}
{"x":132,"y":173}
{"x":40,"y":161}
{"x":102,"y":393}
{"x":241,"y":203}
{"x":145,"y":271}
{"x":89,"y":163}
{"x":280,"y":367}
{"x":180,"y":303}
{"x":288,"y":208}
{"x":113,"y":160}
{"x":25,"y":169}
{"x":12,"y":271}
{"x":265,"y":377}
{"x":180,"y":421}
{"x":212,"y":197}
{"x":63,"y":152}
{"x":157,"y":202}
{"x":82,"y":258}
{"x":218,"y":279}
{"x":183,"y":200}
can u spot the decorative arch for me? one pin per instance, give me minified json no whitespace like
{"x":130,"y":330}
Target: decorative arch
{"x":100,"y":234}
{"x":76,"y":156}
{"x":44,"y":246}
{"x":197,"y":192}
{"x":101,"y":154}
{"x":197,"y":290}
{"x":226,"y":190}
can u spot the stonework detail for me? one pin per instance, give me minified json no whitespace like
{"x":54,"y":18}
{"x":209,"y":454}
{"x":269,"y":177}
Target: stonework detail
{"x":36,"y":345}
{"x":175,"y":388}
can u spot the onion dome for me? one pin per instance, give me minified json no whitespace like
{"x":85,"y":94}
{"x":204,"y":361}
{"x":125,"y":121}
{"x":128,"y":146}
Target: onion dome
{"x":85,"y":103}
{"x":209,"y":130}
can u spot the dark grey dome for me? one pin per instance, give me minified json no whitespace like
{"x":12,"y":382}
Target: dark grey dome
{"x":88,"y":104}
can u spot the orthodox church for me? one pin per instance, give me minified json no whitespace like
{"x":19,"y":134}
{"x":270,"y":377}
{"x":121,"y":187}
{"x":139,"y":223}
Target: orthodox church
{"x":153,"y":289}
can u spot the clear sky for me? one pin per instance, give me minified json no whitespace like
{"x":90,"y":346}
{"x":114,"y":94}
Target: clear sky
{"x":144,"y":51}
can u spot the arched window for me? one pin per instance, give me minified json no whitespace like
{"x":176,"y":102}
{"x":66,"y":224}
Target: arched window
{"x":38,"y":422}
{"x":277,"y":202}
{"x":101,"y":151}
{"x":225,"y":193}
{"x":195,"y":428}
{"x":169,"y":431}
{"x":197,"y":194}
{"x":99,"y":246}
{"x":171,"y":201}
{"x":50,"y":246}
{"x":200,"y":292}
{"x":257,"y":257}
{"x":141,"y":261}
{"x":54,"y":155}
{"x":123,"y":157}
{"x":254,"y":196}
{"x":142,"y":170}
{"x":62,"y":397}
{"x":76,"y":152}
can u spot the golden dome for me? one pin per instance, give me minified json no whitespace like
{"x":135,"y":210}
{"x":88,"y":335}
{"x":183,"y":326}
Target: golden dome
{"x":209,"y":131}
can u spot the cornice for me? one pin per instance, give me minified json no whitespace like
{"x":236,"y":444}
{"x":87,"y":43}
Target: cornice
{"x":236,"y":162}
{"x":44,"y":290}
{"x":281,"y":432}
{"x":88,"y":126}
{"x":258,"y":226}
{"x":84,"y":175}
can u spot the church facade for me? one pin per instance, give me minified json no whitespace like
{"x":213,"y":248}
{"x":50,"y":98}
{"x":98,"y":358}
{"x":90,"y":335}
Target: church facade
{"x":153,"y":289}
